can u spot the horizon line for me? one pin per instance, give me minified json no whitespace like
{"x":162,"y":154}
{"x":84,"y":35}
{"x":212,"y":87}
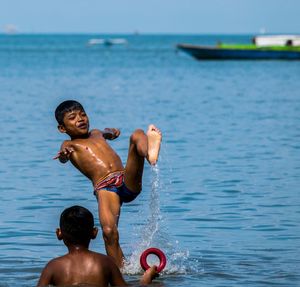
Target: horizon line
{"x":148,"y":33}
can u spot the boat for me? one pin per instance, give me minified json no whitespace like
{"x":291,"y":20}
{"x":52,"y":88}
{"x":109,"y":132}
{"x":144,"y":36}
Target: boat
{"x":116,"y":41}
{"x":279,"y":47}
{"x":93,"y":42}
{"x":107,"y":42}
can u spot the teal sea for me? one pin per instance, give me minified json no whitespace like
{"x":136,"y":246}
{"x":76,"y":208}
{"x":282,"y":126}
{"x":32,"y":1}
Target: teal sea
{"x":223,"y":202}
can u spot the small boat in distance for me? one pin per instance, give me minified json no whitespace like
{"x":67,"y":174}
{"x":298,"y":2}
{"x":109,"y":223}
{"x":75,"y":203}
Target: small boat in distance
{"x":280,"y":47}
{"x":107,"y":42}
{"x":92,"y":42}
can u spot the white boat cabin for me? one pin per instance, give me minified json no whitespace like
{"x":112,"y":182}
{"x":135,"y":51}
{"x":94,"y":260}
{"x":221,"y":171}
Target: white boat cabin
{"x":277,"y":40}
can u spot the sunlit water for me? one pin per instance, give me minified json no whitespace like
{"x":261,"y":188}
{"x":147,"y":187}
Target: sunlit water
{"x":223,"y":202}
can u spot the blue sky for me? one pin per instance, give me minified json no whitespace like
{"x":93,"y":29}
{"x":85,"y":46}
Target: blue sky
{"x":151,"y":16}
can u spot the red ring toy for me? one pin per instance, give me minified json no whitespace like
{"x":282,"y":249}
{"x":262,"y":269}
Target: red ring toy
{"x":158,"y":253}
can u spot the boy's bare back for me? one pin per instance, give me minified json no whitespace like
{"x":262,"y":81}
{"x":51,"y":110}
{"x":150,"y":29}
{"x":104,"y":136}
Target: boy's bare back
{"x":83,"y":266}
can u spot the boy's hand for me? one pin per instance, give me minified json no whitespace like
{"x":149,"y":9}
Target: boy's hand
{"x":64,"y":154}
{"x":111,"y":133}
{"x":149,"y":275}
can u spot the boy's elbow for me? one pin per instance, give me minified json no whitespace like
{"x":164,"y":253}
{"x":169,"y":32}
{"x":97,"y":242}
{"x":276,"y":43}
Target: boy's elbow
{"x":63,"y":160}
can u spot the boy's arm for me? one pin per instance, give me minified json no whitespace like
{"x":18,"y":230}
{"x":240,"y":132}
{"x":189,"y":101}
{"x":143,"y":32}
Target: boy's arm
{"x":116,"y":278}
{"x":65,"y":152}
{"x":149,"y":275}
{"x":110,"y":133}
{"x":46,"y":277}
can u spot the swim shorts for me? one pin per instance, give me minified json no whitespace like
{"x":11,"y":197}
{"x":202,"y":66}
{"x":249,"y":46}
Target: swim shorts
{"x":114,"y":182}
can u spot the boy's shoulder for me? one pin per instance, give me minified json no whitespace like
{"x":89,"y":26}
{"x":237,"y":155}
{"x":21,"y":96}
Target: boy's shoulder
{"x":55,"y":264}
{"x":58,"y":260}
{"x":66,"y":143}
{"x":96,"y":131}
{"x":58,"y":263}
{"x":101,"y":257}
{"x":104,"y":262}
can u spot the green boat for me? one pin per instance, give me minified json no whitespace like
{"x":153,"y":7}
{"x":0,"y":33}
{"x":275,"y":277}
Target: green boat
{"x":262,"y":48}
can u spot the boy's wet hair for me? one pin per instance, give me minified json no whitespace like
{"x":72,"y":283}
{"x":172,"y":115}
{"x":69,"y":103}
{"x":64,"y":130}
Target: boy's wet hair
{"x":76,"y":224}
{"x":65,"y":107}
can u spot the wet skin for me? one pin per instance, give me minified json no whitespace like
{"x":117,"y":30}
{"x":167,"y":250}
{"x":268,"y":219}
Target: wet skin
{"x":88,"y":151}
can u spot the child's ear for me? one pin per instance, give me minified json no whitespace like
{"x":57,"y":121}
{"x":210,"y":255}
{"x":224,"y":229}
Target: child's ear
{"x":59,"y":234}
{"x":94,"y":233}
{"x":62,"y":129}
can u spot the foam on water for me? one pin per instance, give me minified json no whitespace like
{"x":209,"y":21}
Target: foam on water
{"x":154,"y":234}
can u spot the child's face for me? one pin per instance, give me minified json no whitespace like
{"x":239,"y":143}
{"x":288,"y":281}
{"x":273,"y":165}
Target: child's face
{"x":76,"y":123}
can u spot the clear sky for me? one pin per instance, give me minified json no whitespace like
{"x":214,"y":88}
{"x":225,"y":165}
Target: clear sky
{"x":151,"y":16}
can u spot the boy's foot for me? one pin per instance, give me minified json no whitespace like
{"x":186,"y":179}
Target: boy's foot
{"x":154,"y":139}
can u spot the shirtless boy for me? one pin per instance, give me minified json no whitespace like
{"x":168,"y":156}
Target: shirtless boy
{"x":80,"y":265}
{"x":93,"y":156}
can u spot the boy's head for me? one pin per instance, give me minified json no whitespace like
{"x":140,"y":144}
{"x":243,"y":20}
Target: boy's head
{"x":76,"y":226}
{"x":66,"y":107}
{"x":72,"y":118}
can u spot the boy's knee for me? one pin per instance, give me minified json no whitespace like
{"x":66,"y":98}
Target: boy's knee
{"x":139,"y":140}
{"x":110,"y":234}
{"x":136,"y":135}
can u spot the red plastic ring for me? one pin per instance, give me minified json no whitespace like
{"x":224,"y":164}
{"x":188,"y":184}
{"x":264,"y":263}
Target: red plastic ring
{"x":158,"y":253}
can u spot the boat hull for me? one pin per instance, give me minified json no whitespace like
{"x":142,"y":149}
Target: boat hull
{"x":215,"y":53}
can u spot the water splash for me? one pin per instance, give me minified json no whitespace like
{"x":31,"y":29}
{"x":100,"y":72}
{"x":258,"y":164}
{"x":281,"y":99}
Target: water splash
{"x":155,"y":234}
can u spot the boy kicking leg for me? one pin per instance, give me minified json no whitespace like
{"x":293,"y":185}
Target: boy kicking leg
{"x":111,"y":198}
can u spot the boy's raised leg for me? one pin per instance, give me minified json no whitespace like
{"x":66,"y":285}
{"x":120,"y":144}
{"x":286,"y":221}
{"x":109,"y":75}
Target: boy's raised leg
{"x":141,"y":146}
{"x":109,"y":212}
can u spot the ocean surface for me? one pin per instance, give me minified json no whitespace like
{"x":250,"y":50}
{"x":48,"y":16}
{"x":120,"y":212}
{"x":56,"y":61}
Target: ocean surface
{"x":223,"y":202}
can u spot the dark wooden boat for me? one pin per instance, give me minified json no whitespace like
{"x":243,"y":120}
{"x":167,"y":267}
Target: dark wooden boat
{"x":241,"y":52}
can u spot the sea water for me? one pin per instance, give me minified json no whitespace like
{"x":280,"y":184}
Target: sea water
{"x":223,"y":202}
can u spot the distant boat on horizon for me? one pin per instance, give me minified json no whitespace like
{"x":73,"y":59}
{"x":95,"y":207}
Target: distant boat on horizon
{"x":272,"y":47}
{"x":107,"y":42}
